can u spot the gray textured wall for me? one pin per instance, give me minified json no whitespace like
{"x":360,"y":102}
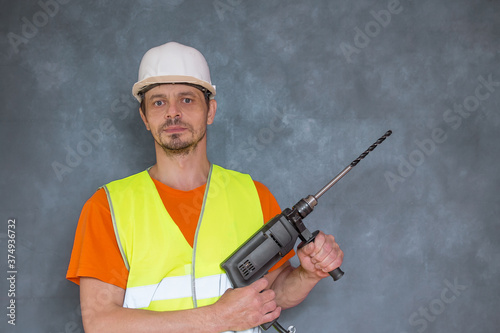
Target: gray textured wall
{"x":303,"y":89}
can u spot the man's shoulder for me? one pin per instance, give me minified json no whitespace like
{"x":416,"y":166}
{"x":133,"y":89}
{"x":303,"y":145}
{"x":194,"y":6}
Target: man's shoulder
{"x":261,"y":188}
{"x":223,"y":169}
{"x":231,"y":172}
{"x":98,"y":199}
{"x":127,"y":180}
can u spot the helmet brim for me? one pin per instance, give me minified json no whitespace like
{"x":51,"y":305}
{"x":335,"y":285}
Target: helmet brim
{"x":138,"y":86}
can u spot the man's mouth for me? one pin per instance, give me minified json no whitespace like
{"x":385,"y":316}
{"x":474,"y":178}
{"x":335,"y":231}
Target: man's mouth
{"x":174,"y":129}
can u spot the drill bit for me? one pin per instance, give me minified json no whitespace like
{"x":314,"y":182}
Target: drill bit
{"x":313,"y":201}
{"x":373,"y":146}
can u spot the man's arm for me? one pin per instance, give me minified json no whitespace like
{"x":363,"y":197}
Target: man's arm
{"x":292,"y":285}
{"x":236,"y":310}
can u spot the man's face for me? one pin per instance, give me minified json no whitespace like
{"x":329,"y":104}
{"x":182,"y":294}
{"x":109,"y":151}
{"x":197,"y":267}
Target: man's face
{"x":177,"y":116}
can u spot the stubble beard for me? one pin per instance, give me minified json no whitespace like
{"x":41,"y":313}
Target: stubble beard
{"x":174,"y":145}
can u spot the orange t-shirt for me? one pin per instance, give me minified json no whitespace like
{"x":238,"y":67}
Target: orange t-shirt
{"x":95,"y":250}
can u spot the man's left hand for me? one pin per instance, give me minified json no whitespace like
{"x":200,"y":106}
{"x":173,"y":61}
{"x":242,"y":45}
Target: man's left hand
{"x":321,"y":256}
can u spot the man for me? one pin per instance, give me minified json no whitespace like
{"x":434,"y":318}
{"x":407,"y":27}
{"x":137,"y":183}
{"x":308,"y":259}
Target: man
{"x":148,"y":247}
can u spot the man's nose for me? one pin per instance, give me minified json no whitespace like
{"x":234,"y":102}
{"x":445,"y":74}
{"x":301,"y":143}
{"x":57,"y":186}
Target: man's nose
{"x":173,"y":110}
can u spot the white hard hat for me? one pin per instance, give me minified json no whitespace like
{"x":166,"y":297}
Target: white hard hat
{"x":173,"y":63}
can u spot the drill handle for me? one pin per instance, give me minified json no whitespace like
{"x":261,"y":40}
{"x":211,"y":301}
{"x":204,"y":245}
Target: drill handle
{"x":337,"y":273}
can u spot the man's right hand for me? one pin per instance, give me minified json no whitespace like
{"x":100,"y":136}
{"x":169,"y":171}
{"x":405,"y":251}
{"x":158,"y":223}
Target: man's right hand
{"x":247,"y":307}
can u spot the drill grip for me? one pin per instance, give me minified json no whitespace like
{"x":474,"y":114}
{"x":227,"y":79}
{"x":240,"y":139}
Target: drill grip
{"x":337,"y":273}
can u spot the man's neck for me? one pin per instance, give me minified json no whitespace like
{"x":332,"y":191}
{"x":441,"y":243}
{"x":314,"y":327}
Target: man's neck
{"x":182,"y":172}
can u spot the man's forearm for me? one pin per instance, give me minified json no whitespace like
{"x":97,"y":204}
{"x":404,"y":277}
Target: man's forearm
{"x":237,"y":310}
{"x":123,"y":320}
{"x":292,"y":286}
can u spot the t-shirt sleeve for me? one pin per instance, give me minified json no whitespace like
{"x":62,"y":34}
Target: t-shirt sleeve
{"x":270,"y":208}
{"x":95,"y":249}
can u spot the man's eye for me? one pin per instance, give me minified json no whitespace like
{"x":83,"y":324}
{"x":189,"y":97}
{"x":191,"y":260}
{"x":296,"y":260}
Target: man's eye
{"x":187,"y":100}
{"x":158,"y":103}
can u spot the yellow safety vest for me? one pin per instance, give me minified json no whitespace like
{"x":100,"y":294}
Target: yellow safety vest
{"x":165,"y":272}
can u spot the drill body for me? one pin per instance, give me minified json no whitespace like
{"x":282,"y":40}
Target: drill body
{"x":273,"y":241}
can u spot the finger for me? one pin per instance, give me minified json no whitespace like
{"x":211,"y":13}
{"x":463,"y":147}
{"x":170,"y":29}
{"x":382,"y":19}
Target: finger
{"x":268,"y":317}
{"x":319,"y":240}
{"x":330,"y":250}
{"x":267,"y":295}
{"x":312,"y":248}
{"x":268,"y":307}
{"x":328,"y":253}
{"x":260,"y":284}
{"x":332,"y":261}
{"x":308,"y":249}
{"x":324,"y":246}
{"x":337,"y":262}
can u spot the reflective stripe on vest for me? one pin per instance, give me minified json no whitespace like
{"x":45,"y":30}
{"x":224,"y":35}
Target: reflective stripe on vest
{"x":175,"y":287}
{"x":165,"y":273}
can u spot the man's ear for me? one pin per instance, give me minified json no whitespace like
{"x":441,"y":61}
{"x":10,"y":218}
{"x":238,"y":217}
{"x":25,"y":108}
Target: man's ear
{"x":212,"y":109}
{"x":144,"y":119}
